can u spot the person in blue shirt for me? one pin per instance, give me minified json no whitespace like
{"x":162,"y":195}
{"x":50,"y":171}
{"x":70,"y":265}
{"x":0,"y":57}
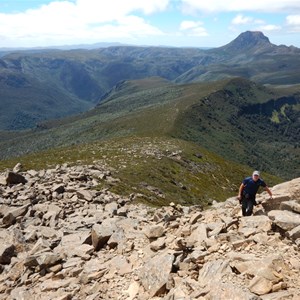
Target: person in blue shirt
{"x":248,"y":190}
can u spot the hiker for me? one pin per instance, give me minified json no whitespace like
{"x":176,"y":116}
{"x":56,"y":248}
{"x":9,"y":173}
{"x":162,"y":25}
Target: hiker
{"x":248,"y":190}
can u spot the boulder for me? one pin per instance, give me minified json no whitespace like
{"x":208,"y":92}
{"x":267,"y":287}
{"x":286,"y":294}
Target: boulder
{"x":47,"y":259}
{"x":155,"y":274}
{"x":11,"y":215}
{"x":85,"y":195}
{"x":294,"y":234}
{"x":15,"y":178}
{"x":198,"y":235}
{"x":260,"y":285}
{"x":291,"y":205}
{"x":229,"y":291}
{"x":7,"y":251}
{"x":101,"y":233}
{"x":254,"y":224}
{"x":212,"y":272}
{"x":286,"y":220}
{"x":17,"y":168}
{"x":153,"y":232}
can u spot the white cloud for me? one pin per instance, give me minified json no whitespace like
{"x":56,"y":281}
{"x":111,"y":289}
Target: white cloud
{"x":293,"y":20}
{"x":238,"y":5}
{"x":269,"y":27}
{"x":80,"y":20}
{"x":240,"y":19}
{"x":293,"y":23}
{"x":198,"y":31}
{"x":193,"y":28}
{"x":185,"y":25}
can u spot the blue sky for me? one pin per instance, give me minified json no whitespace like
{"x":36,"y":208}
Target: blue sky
{"x":179,"y":23}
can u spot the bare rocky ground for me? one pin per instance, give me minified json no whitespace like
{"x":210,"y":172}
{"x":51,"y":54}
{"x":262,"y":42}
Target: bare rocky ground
{"x":62,"y":239}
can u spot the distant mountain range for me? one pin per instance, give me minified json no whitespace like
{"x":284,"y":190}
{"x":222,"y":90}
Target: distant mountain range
{"x":5,"y":50}
{"x":39,"y":84}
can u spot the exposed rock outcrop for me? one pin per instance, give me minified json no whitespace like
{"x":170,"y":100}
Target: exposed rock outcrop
{"x":61,"y":238}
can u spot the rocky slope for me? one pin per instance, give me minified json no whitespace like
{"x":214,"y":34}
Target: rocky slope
{"x":63,"y":239}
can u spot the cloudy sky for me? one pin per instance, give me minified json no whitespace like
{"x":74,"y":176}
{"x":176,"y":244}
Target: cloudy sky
{"x":180,"y":23}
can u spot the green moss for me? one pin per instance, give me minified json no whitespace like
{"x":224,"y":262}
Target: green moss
{"x":275,"y":117}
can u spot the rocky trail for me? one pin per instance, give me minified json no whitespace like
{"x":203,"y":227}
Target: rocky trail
{"x":60,"y":238}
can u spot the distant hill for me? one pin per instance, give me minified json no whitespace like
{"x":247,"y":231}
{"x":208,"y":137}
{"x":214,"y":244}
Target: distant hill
{"x":41,"y":84}
{"x":62,"y":47}
{"x":252,"y":56}
{"x":248,"y":41}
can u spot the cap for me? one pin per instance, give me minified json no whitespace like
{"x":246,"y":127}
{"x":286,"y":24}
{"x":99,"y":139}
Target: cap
{"x":256,"y":173}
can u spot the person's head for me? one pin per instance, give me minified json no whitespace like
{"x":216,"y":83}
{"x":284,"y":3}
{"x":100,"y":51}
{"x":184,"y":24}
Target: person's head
{"x":255,"y":175}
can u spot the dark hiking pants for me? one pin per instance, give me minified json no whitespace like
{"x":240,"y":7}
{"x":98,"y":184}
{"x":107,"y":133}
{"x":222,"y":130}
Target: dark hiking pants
{"x":248,"y":201}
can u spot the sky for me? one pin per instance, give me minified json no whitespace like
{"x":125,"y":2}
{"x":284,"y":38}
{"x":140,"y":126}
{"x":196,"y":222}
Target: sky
{"x":178,"y":23}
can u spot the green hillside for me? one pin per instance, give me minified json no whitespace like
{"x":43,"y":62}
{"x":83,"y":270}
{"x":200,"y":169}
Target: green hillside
{"x":138,"y":110}
{"x":237,"y":119}
{"x":165,"y":142}
{"x":249,"y":124}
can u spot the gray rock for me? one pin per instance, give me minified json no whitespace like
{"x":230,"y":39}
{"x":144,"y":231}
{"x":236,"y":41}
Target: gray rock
{"x":117,"y":238}
{"x":7,"y":251}
{"x":47,"y":259}
{"x":84,"y":251}
{"x":294,"y":233}
{"x":17,"y":168}
{"x":31,"y":261}
{"x":159,"y":244}
{"x":198,"y":235}
{"x":213,"y":271}
{"x":286,"y":220}
{"x":50,"y":284}
{"x":195,"y":217}
{"x":40,"y":246}
{"x":230,"y":291}
{"x":155,"y":273}
{"x":15,"y":178}
{"x":21,"y":293}
{"x":76,"y":239}
{"x":111,"y":208}
{"x":85,"y":195}
{"x":2,"y":180}
{"x":58,"y":188}
{"x":260,"y":286}
{"x":10,"y":217}
{"x":291,"y":205}
{"x":101,"y":233}
{"x":154,"y":231}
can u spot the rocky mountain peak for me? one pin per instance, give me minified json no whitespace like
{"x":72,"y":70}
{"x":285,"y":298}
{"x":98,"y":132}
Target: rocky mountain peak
{"x":248,"y":40}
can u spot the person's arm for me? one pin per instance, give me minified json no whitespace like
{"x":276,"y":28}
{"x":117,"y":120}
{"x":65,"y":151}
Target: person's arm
{"x":269,"y":192}
{"x":241,"y":191}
